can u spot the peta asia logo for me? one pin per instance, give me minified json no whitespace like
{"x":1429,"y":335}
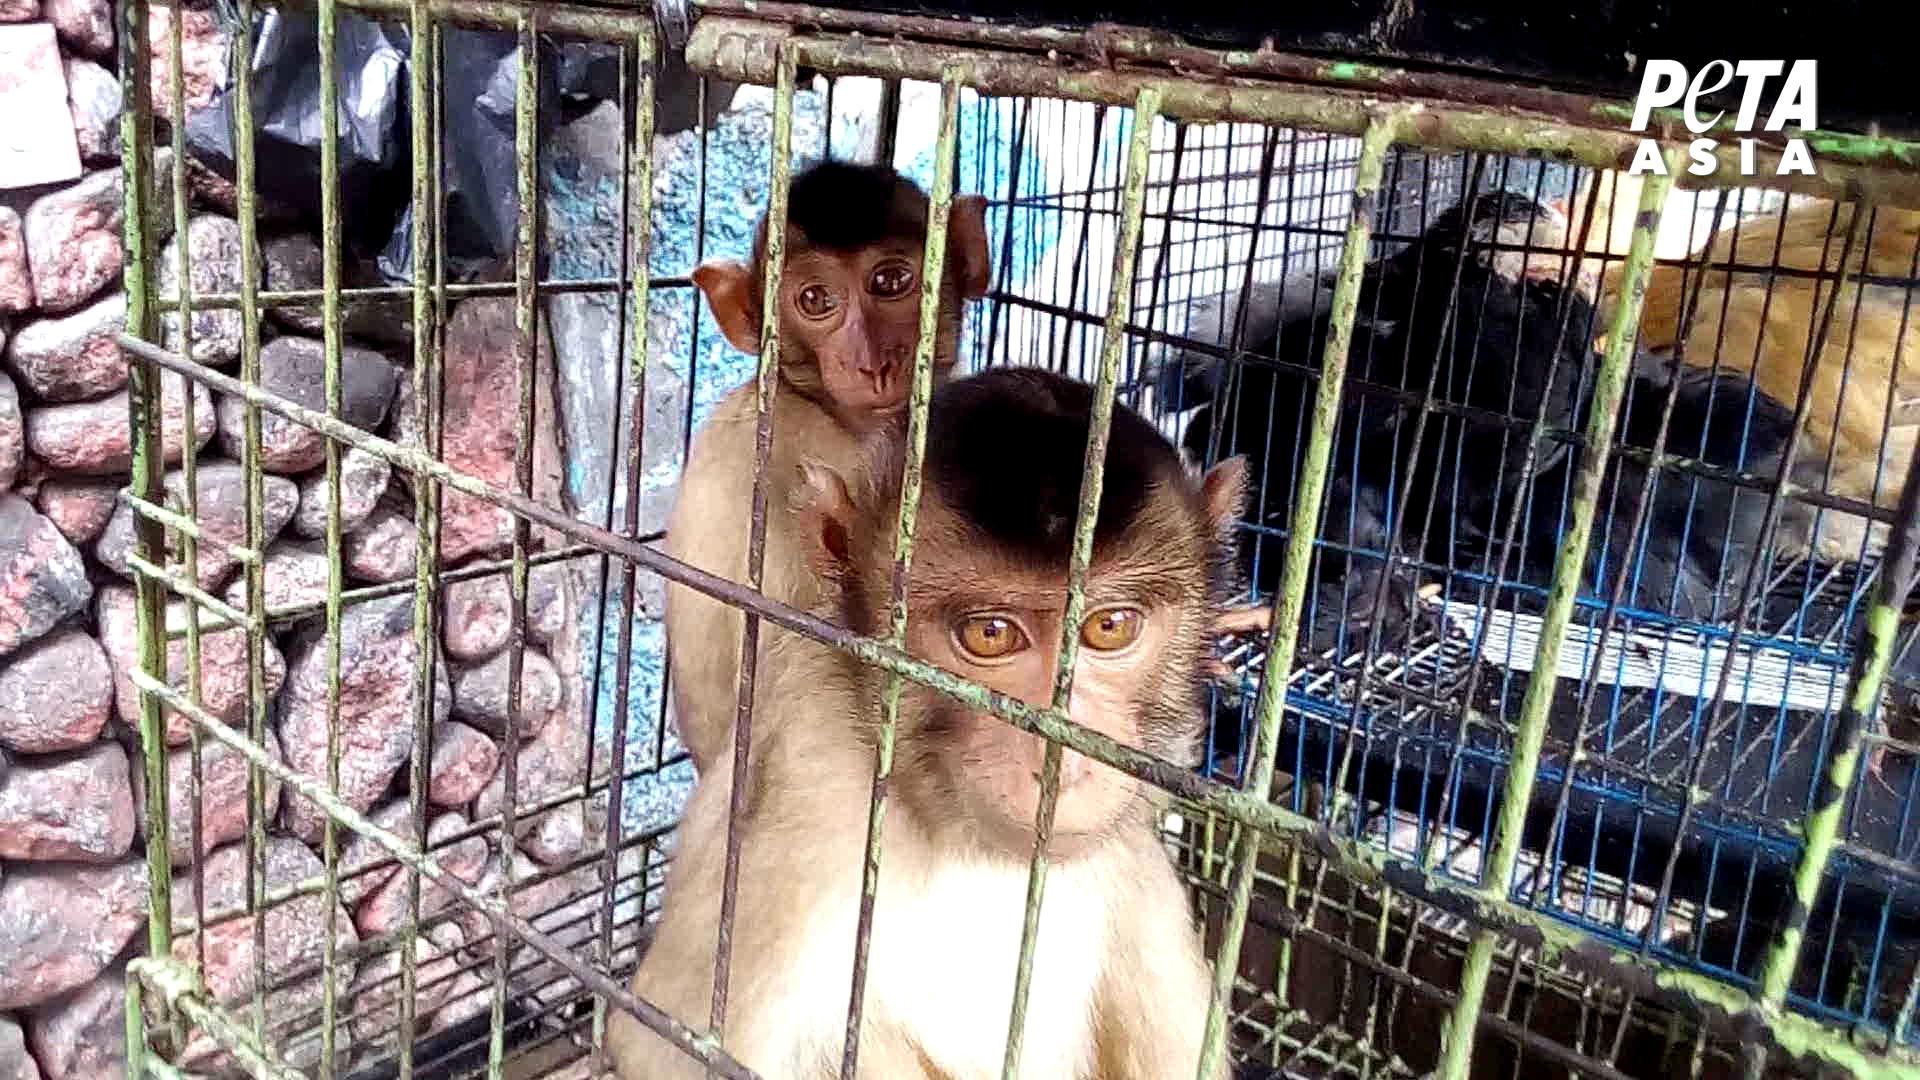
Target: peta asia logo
{"x":1664,"y":84}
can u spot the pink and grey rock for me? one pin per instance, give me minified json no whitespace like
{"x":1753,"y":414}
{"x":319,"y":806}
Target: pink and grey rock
{"x":213,"y":266}
{"x":296,"y":933}
{"x":478,"y":617}
{"x":74,"y":236}
{"x":55,"y":694}
{"x":294,"y":575}
{"x":480,"y":694}
{"x":203,"y":58}
{"x":379,"y":663}
{"x":223,"y":663}
{"x":295,"y":368}
{"x":62,"y":924}
{"x":480,"y":421}
{"x":13,"y":442}
{"x":74,"y":357}
{"x":86,"y":26}
{"x":16,"y":282}
{"x":93,"y":97}
{"x":15,"y":1062}
{"x":83,"y":1035}
{"x":76,"y":808}
{"x":396,"y":817}
{"x":39,"y":147}
{"x":385,"y":909}
{"x":463,"y":763}
{"x":376,"y":993}
{"x":93,"y":438}
{"x":78,"y":508}
{"x":42,"y":578}
{"x":221,"y":512}
{"x":223,"y":797}
{"x":383,"y":549}
{"x":363,"y":479}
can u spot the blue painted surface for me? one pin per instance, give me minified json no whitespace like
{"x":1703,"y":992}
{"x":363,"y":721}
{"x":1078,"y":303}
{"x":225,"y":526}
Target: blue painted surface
{"x":583,"y":230}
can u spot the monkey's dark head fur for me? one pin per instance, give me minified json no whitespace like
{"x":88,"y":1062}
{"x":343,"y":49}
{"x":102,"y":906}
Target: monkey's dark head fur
{"x":1006,"y":452}
{"x":843,"y":206}
{"x":1002,"y":486}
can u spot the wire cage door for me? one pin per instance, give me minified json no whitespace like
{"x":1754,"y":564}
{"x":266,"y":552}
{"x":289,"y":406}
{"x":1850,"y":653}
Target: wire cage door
{"x":1410,"y":818}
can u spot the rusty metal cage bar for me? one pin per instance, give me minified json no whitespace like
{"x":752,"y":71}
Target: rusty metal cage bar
{"x":932,"y":273}
{"x":1493,"y":907}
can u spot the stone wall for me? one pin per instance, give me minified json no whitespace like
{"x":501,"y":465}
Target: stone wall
{"x":73,"y":880}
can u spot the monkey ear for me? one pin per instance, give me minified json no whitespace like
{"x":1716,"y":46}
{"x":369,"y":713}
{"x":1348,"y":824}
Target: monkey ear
{"x":826,"y":519}
{"x":728,"y":286}
{"x":1225,"y":490}
{"x":967,"y":245}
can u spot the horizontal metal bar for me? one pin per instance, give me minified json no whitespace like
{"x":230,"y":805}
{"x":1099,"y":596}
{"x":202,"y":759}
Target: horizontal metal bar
{"x":505,"y":922}
{"x":228,"y":616}
{"x":478,"y":827}
{"x":603,"y":24}
{"x":187,"y":527}
{"x":742,"y":50}
{"x":350,"y":597}
{"x":1147,"y":47}
{"x":287,"y":298}
{"x":180,"y":987}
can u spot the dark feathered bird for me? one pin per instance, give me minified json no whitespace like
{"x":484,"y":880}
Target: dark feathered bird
{"x":1698,"y":534}
{"x":1505,"y":339}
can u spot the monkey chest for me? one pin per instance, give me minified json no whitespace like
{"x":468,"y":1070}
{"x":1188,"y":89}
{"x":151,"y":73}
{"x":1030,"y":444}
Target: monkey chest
{"x":945,"y":963}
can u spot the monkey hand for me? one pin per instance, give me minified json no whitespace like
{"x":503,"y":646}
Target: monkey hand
{"x":1236,"y":622}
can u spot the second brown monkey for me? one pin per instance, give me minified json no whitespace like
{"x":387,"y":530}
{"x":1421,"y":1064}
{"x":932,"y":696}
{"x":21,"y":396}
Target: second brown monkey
{"x":849,"y":319}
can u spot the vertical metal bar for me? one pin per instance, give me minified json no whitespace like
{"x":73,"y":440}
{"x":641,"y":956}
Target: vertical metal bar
{"x":639,"y":235}
{"x":422,"y":88}
{"x":252,"y":570}
{"x":932,"y":273}
{"x":189,"y":544}
{"x":136,"y":1023}
{"x":1368,"y":173}
{"x":1821,"y":829}
{"x":887,"y":125}
{"x":526,"y":344}
{"x":1609,"y":386}
{"x":1146,"y":112}
{"x":773,"y":261}
{"x":149,"y":459}
{"x":330,"y":339}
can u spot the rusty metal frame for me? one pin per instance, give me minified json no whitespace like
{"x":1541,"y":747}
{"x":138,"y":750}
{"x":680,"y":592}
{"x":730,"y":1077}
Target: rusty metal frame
{"x":768,"y":43}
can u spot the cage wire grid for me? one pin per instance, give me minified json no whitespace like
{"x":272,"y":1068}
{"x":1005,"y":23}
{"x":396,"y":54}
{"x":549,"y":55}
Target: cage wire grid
{"x":1310,"y":853}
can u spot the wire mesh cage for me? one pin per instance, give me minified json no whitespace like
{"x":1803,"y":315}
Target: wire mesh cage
{"x":1659,"y":458}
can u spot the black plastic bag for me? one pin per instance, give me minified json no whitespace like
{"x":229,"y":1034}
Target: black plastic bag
{"x":371,"y":61}
{"x":480,"y":179}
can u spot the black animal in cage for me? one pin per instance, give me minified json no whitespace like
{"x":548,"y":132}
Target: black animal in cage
{"x":1496,"y":335}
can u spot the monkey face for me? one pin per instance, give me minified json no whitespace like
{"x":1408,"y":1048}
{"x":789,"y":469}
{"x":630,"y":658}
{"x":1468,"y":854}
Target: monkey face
{"x":1011,"y":642}
{"x":857,"y":314}
{"x":849,"y":304}
{"x":986,"y":598}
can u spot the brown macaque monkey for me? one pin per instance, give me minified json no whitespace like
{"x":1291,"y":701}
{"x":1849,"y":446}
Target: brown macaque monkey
{"x":1120,"y":984}
{"x":849,"y":320}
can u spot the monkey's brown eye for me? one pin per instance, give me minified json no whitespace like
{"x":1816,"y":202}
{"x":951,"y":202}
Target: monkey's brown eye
{"x":890,"y":281}
{"x":817,"y":301}
{"x":989,"y":637}
{"x":1112,"y":629}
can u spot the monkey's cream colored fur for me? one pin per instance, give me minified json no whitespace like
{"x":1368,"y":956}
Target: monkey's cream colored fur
{"x":709,"y":527}
{"x":1119,"y":992}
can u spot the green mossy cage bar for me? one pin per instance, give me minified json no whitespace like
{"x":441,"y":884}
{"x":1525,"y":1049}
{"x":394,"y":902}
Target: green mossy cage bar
{"x":1510,"y":987}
